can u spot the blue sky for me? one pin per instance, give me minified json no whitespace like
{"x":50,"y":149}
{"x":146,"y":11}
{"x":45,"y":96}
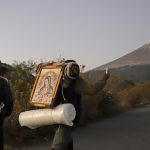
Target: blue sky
{"x":93,"y":32}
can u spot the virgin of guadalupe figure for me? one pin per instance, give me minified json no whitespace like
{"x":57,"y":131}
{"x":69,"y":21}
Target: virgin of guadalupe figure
{"x":46,"y":90}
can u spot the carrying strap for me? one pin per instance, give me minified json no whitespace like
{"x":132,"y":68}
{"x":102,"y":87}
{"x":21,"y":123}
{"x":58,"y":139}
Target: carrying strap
{"x":62,"y":91}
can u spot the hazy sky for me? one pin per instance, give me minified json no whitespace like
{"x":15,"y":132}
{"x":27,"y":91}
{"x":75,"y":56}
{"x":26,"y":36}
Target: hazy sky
{"x":93,"y":32}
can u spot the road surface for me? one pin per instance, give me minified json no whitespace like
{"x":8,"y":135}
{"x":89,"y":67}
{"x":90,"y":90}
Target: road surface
{"x":128,"y":131}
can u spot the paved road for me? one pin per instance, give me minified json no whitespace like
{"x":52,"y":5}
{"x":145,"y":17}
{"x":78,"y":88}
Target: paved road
{"x":128,"y":131}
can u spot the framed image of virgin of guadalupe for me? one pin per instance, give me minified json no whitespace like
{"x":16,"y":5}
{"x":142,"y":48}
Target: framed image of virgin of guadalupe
{"x":46,"y":85}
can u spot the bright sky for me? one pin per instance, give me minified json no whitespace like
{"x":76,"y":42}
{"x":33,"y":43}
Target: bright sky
{"x":92,"y":32}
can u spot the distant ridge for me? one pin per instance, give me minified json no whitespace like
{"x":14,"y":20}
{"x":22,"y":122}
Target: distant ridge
{"x":140,"y":56}
{"x":134,"y":66}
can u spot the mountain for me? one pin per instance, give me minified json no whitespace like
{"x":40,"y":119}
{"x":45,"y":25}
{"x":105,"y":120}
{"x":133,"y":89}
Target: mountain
{"x":134,"y":66}
{"x":140,"y":56}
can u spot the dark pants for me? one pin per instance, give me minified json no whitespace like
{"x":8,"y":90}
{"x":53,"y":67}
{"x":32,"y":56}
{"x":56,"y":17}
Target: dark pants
{"x":1,"y":138}
{"x":62,"y":139}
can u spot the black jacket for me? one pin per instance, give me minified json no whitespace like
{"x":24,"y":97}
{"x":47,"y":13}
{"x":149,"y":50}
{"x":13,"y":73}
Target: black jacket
{"x":73,"y":94}
{"x":5,"y":98}
{"x":68,"y":95}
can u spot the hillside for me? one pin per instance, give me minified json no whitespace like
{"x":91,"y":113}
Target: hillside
{"x":140,"y":56}
{"x":134,"y":66}
{"x":136,"y":73}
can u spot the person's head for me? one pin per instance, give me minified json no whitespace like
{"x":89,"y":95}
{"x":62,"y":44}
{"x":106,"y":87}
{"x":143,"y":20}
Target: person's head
{"x":3,"y":71}
{"x":71,"y":72}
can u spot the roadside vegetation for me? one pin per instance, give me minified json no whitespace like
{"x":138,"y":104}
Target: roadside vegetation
{"x":117,"y":96}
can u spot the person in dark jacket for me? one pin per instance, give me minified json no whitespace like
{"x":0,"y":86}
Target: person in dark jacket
{"x":70,"y":90}
{"x":6,"y":102}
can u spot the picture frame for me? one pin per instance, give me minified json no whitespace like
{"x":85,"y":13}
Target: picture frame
{"x":46,"y":85}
